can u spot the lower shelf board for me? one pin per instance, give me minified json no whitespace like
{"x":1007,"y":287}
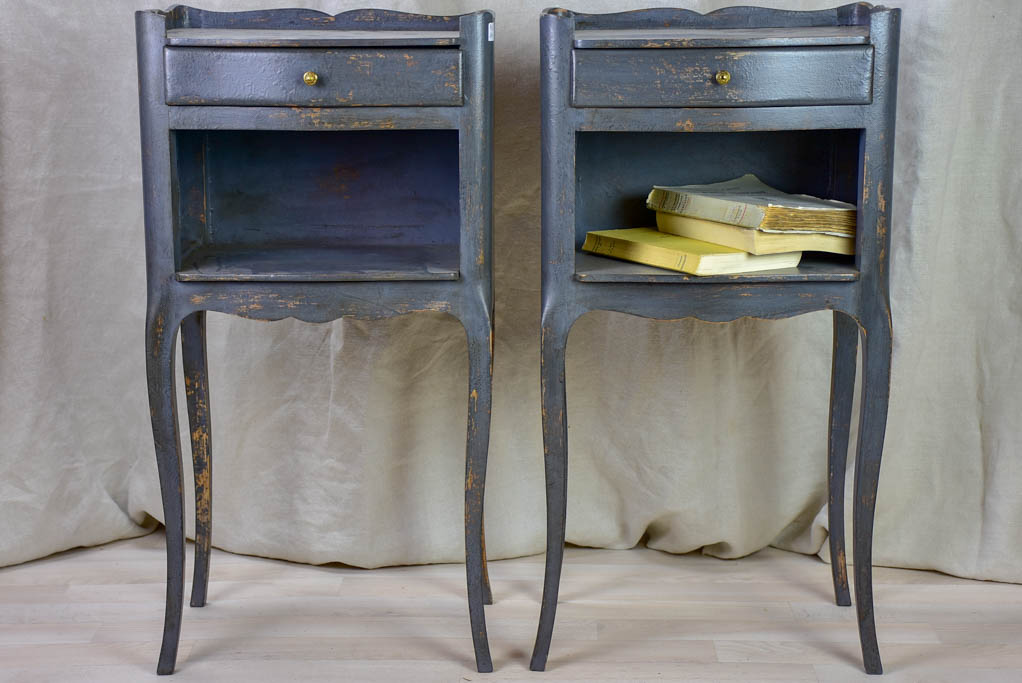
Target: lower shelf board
{"x":815,"y":267}
{"x":304,"y":263}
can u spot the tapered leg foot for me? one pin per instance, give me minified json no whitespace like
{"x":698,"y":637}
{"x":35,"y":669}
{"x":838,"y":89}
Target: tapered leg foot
{"x":480,"y":352}
{"x":193,"y":355}
{"x":555,"y":446}
{"x":876,"y":378}
{"x":161,"y":330}
{"x":842,"y":388}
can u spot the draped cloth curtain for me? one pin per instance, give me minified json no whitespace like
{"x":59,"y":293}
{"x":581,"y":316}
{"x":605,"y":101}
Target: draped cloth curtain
{"x":345,"y":441}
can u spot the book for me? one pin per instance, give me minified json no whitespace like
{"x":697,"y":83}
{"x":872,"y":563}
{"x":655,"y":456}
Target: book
{"x":752,"y":240}
{"x":750,"y":203}
{"x":683,"y":254}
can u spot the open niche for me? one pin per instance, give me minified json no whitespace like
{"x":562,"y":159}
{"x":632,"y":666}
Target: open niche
{"x":615,"y":171}
{"x":316,"y":205}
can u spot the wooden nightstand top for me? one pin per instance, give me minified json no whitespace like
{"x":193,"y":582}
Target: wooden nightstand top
{"x":235,"y":37}
{"x":711,"y":37}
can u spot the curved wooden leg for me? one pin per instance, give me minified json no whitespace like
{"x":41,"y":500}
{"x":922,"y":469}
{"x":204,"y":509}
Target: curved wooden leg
{"x":480,"y":370}
{"x":161,"y":330}
{"x":842,"y":389}
{"x":555,"y":447}
{"x":193,"y":356}
{"x":876,"y":380}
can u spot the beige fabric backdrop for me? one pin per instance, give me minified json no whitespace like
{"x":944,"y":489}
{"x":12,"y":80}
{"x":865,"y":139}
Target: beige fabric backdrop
{"x":344,"y":442}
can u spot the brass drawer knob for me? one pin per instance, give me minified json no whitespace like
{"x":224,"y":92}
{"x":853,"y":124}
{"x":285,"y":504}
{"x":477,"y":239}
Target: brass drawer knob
{"x":312,"y":78}
{"x":723,"y":77}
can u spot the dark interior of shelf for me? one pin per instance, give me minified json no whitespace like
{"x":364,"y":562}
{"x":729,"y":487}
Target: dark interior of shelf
{"x":616,"y":170}
{"x":317,"y":205}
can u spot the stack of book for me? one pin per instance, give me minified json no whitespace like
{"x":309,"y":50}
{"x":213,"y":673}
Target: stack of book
{"x":737,"y":226}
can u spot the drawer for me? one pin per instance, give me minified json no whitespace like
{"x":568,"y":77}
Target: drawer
{"x":688,"y":77}
{"x":345,"y":78}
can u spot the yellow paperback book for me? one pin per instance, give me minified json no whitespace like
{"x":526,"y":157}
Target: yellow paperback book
{"x":683,"y":254}
{"x":752,"y":240}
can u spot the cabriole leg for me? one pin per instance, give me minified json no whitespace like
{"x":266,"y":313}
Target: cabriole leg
{"x":193,"y":355}
{"x":555,"y":447}
{"x":161,"y":330}
{"x":876,"y":382}
{"x":480,"y":370}
{"x":842,"y":389}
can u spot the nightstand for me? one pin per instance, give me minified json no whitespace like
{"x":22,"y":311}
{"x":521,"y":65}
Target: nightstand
{"x":804,"y":100}
{"x":297,"y":164}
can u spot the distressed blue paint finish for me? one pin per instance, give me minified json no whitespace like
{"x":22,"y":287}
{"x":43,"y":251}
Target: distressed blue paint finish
{"x":361,"y":77}
{"x":302,"y":118}
{"x":245,"y":189}
{"x":623,"y":125}
{"x":184,"y":17}
{"x":257,"y":208}
{"x":786,"y":76}
{"x":251,"y":37}
{"x":684,"y":36}
{"x":724,"y":19}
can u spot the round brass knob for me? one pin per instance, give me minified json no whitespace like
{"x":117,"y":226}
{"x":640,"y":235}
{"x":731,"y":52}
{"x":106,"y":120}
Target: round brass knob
{"x":310,"y":78}
{"x":723,"y":77}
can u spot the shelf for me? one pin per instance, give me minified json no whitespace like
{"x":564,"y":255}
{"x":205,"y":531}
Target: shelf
{"x":306,"y":263}
{"x":214,"y":37}
{"x":815,"y":267}
{"x":708,"y":37}
{"x":317,"y":206}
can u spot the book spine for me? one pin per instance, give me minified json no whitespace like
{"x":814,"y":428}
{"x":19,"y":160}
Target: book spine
{"x":707,"y":231}
{"x":754,"y":241}
{"x":708,"y":208}
{"x":646,"y":254}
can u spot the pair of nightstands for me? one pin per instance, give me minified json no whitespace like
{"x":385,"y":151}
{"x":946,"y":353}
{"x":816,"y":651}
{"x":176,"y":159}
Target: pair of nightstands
{"x":303,"y":165}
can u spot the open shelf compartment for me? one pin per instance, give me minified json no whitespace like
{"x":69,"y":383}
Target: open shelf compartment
{"x":316,"y":205}
{"x":614,"y":172}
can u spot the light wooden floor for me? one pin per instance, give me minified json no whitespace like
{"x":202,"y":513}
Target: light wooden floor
{"x":635,"y":615}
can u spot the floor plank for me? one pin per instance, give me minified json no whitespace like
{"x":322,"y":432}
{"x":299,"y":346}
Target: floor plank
{"x":96,"y":614}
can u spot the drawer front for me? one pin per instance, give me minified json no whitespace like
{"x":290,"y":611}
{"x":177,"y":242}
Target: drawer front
{"x":688,"y":77}
{"x":345,"y":78}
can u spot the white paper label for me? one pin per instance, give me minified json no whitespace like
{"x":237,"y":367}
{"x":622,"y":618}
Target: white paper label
{"x":489,"y":31}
